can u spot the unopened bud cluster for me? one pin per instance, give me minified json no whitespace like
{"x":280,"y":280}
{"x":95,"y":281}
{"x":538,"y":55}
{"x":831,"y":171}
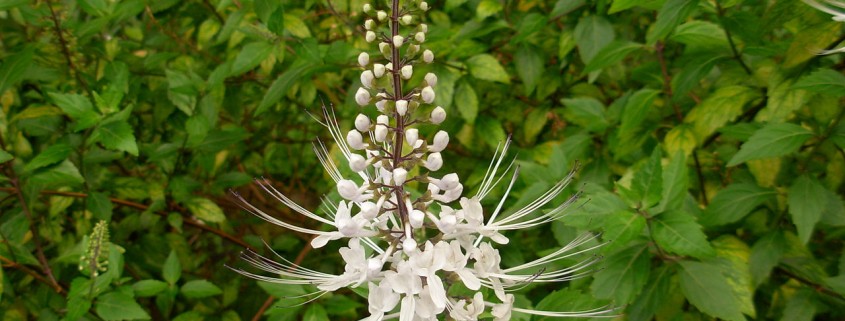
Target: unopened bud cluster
{"x":409,"y":248}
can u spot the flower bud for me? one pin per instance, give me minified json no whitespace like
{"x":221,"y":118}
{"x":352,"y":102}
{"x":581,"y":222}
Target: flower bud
{"x":381,"y":15}
{"x":433,"y":162}
{"x":385,"y":50}
{"x":428,"y":56}
{"x":431,"y":79}
{"x":447,"y":223}
{"x":347,"y":189}
{"x":380,"y":133}
{"x":363,"y":59}
{"x":438,"y":115}
{"x":382,"y":120}
{"x":420,"y":37}
{"x":413,"y":50}
{"x":406,"y":19}
{"x":401,"y":107}
{"x":380,"y":105}
{"x":357,"y":162}
{"x":399,"y":176}
{"x":362,"y":123}
{"x":409,"y":245}
{"x":378,"y":70}
{"x":411,"y":136}
{"x":448,"y":182}
{"x":368,"y":7}
{"x":370,"y":36}
{"x":362,"y":97}
{"x":398,"y":40}
{"x":407,"y":71}
{"x":369,"y":24}
{"x":423,"y":27}
{"x":441,"y":139}
{"x":424,"y":6}
{"x":416,"y":218}
{"x":369,"y":210}
{"x":374,"y":266}
{"x":427,"y":95}
{"x":355,"y":140}
{"x":367,"y":78}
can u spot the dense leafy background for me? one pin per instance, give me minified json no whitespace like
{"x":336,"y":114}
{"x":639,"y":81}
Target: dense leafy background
{"x":709,"y":132}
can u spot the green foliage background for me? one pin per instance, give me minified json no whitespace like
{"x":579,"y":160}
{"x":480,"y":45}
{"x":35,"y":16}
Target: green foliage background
{"x":709,"y":132}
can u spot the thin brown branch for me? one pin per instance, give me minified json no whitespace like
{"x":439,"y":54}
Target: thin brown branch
{"x":738,"y":57}
{"x":57,"y":28}
{"x":816,"y":286}
{"x":39,"y":249}
{"x":15,"y":265}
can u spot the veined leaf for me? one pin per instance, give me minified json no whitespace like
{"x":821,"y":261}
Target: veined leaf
{"x":592,"y":33}
{"x":51,"y":155}
{"x":625,"y":274}
{"x":199,"y":289}
{"x":669,"y":16}
{"x":654,"y":294}
{"x":677,"y":232}
{"x":708,"y":290}
{"x":486,"y":67}
{"x":826,"y":81}
{"x":734,"y":258}
{"x":119,"y":306}
{"x":675,"y":184}
{"x":718,"y":109}
{"x":648,"y":180}
{"x":620,"y":228}
{"x":772,"y":141}
{"x":734,"y":202}
{"x":13,"y":67}
{"x":613,"y":53}
{"x":206,"y":210}
{"x":806,"y":199}
{"x":765,"y":255}
{"x":466,"y":102}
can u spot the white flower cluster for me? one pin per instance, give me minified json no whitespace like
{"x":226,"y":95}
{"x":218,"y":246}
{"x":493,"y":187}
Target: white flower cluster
{"x":408,"y":248}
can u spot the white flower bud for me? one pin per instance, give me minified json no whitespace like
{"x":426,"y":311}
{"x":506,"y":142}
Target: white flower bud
{"x":380,"y":105}
{"x":389,"y":66}
{"x":384,"y":48}
{"x":427,"y":94}
{"x":362,"y":97}
{"x":423,"y":27}
{"x":370,"y":36}
{"x":369,"y":24}
{"x":383,"y":120}
{"x":424,"y":6}
{"x":401,"y":107}
{"x":448,"y":182}
{"x":413,"y":50}
{"x":355,"y":140}
{"x":363,"y":59}
{"x":380,"y":133}
{"x":447,"y":223}
{"x":438,"y":115}
{"x":368,"y":7}
{"x":433,"y":162}
{"x":362,"y":123}
{"x":357,"y":162}
{"x":399,"y":176}
{"x":450,"y":195}
{"x":409,"y":245}
{"x":411,"y":136}
{"x":428,"y":56}
{"x":374,"y":266}
{"x":416,"y":218}
{"x":378,"y":70}
{"x":406,"y":19}
{"x":407,"y":71}
{"x":367,"y":78}
{"x":420,"y":37}
{"x":398,"y":40}
{"x":431,"y":79}
{"x":381,"y":15}
{"x":441,"y":139}
{"x":369,"y":210}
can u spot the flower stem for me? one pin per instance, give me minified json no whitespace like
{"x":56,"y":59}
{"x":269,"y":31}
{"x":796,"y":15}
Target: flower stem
{"x":399,"y":134}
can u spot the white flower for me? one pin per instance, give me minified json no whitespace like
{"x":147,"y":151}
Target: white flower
{"x":370,"y":36}
{"x":431,"y":79}
{"x":380,"y":105}
{"x":401,"y":107}
{"x":420,"y":37}
{"x":428,"y":56}
{"x":369,"y":24}
{"x":362,"y":97}
{"x":355,"y":140}
{"x":363,"y":59}
{"x":380,"y":133}
{"x":433,"y":162}
{"x":411,"y":136}
{"x":441,"y":139}
{"x":378,"y":70}
{"x":424,"y":6}
{"x":381,"y":15}
{"x":357,"y":163}
{"x":381,"y":299}
{"x":362,"y":123}
{"x":384,"y":49}
{"x":398,"y":41}
{"x":407,"y":71}
{"x":502,"y":311}
{"x":367,"y":78}
{"x":399,"y":176}
{"x":351,"y":191}
{"x":423,"y":27}
{"x":367,"y":7}
{"x":427,"y":94}
{"x":406,"y":19}
{"x":438,"y":115}
{"x":463,"y":310}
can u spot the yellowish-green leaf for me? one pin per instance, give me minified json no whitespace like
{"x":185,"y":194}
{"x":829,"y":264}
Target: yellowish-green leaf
{"x":486,"y":67}
{"x":296,"y":26}
{"x":735,"y":254}
{"x":205,"y":209}
{"x":718,"y":109}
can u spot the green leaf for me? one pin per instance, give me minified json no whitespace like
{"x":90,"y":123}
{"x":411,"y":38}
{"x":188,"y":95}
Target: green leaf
{"x":200,"y":289}
{"x":100,"y":206}
{"x":530,"y":25}
{"x":250,"y":56}
{"x":707,"y":289}
{"x":675,"y":184}
{"x":699,"y":35}
{"x":734,"y":258}
{"x":486,"y":67}
{"x":15,"y":66}
{"x":315,"y":312}
{"x":118,"y":135}
{"x":568,"y":299}
{"x":5,"y":156}
{"x":119,"y":306}
{"x":718,"y":109}
{"x":171,"y":271}
{"x":635,"y":112}
{"x":621,"y":227}
{"x":51,"y":155}
{"x":765,"y":255}
{"x":64,"y":174}
{"x":621,"y":5}
{"x":690,"y":76}
{"x":197,"y":127}
{"x":806,"y":200}
{"x":648,"y":181}
{"x":565,"y":6}
{"x":299,"y":70}
{"x":734,"y":202}
{"x":669,"y":16}
{"x":592,"y":33}
{"x":78,"y":108}
{"x":534,"y":123}
{"x":487,"y":8}
{"x":624,"y":274}
{"x":529,"y":67}
{"x":206,"y":210}
{"x":586,"y":112}
{"x":801,"y":306}
{"x":826,"y":81}
{"x":774,"y":140}
{"x":148,"y":288}
{"x":680,"y":140}
{"x":613,"y":53}
{"x":466,"y":101}
{"x":655,"y":294}
{"x":296,"y":26}
{"x":677,"y":232}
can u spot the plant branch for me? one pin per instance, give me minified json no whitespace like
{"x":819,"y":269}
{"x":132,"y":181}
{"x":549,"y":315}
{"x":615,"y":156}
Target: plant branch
{"x":816,"y":286}
{"x":15,"y":265}
{"x":721,"y":12}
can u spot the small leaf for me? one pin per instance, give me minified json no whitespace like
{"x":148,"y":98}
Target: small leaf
{"x":734,"y":202}
{"x":669,"y":16}
{"x":826,"y":81}
{"x":466,"y":101}
{"x":707,"y":289}
{"x":801,"y":306}
{"x":171,"y":271}
{"x":52,"y":155}
{"x":119,"y":306}
{"x":197,"y":127}
{"x":806,"y":199}
{"x":529,"y":67}
{"x":586,"y":112}
{"x":148,"y":288}
{"x":568,"y":299}
{"x":680,"y":139}
{"x":624,"y":274}
{"x":773,"y":140}
{"x":118,"y":136}
{"x":565,"y":6}
{"x":250,"y":56}
{"x":487,"y":8}
{"x":64,"y":174}
{"x":315,"y":312}
{"x":78,"y":108}
{"x":296,"y":26}
{"x":5,"y":156}
{"x":621,"y":227}
{"x":653,"y":296}
{"x":675,"y":184}
{"x":14,"y":66}
{"x":635,"y":112}
{"x":677,"y":232}
{"x":199,"y":289}
{"x":613,"y":53}
{"x":721,"y":107}
{"x":206,"y":210}
{"x":486,"y":67}
{"x":592,"y":33}
{"x":100,"y":206}
{"x":299,"y":70}
{"x":648,"y":181}
{"x":765,"y":255}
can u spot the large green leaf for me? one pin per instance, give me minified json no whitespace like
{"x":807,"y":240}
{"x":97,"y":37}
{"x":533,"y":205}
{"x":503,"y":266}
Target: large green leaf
{"x":707,"y":289}
{"x":529,"y":67}
{"x":678,"y":232}
{"x":765,"y":255}
{"x":806,"y":199}
{"x":624,"y":275}
{"x":824,"y":81}
{"x":205,"y":209}
{"x":78,"y":108}
{"x":119,"y":306}
{"x":734,"y":256}
{"x":669,"y":16}
{"x":15,"y":66}
{"x":250,"y":56}
{"x":734,"y":202}
{"x":592,"y":33}
{"x":718,"y":109}
{"x":486,"y":67}
{"x":647,"y":184}
{"x":621,"y":227}
{"x":118,"y":135}
{"x":613,"y":53}
{"x":199,"y":289}
{"x":655,"y":294}
{"x":675,"y":184}
{"x":772,"y":141}
{"x":171,"y":271}
{"x":51,"y":155}
{"x":587,"y":112}
{"x":466,"y":101}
